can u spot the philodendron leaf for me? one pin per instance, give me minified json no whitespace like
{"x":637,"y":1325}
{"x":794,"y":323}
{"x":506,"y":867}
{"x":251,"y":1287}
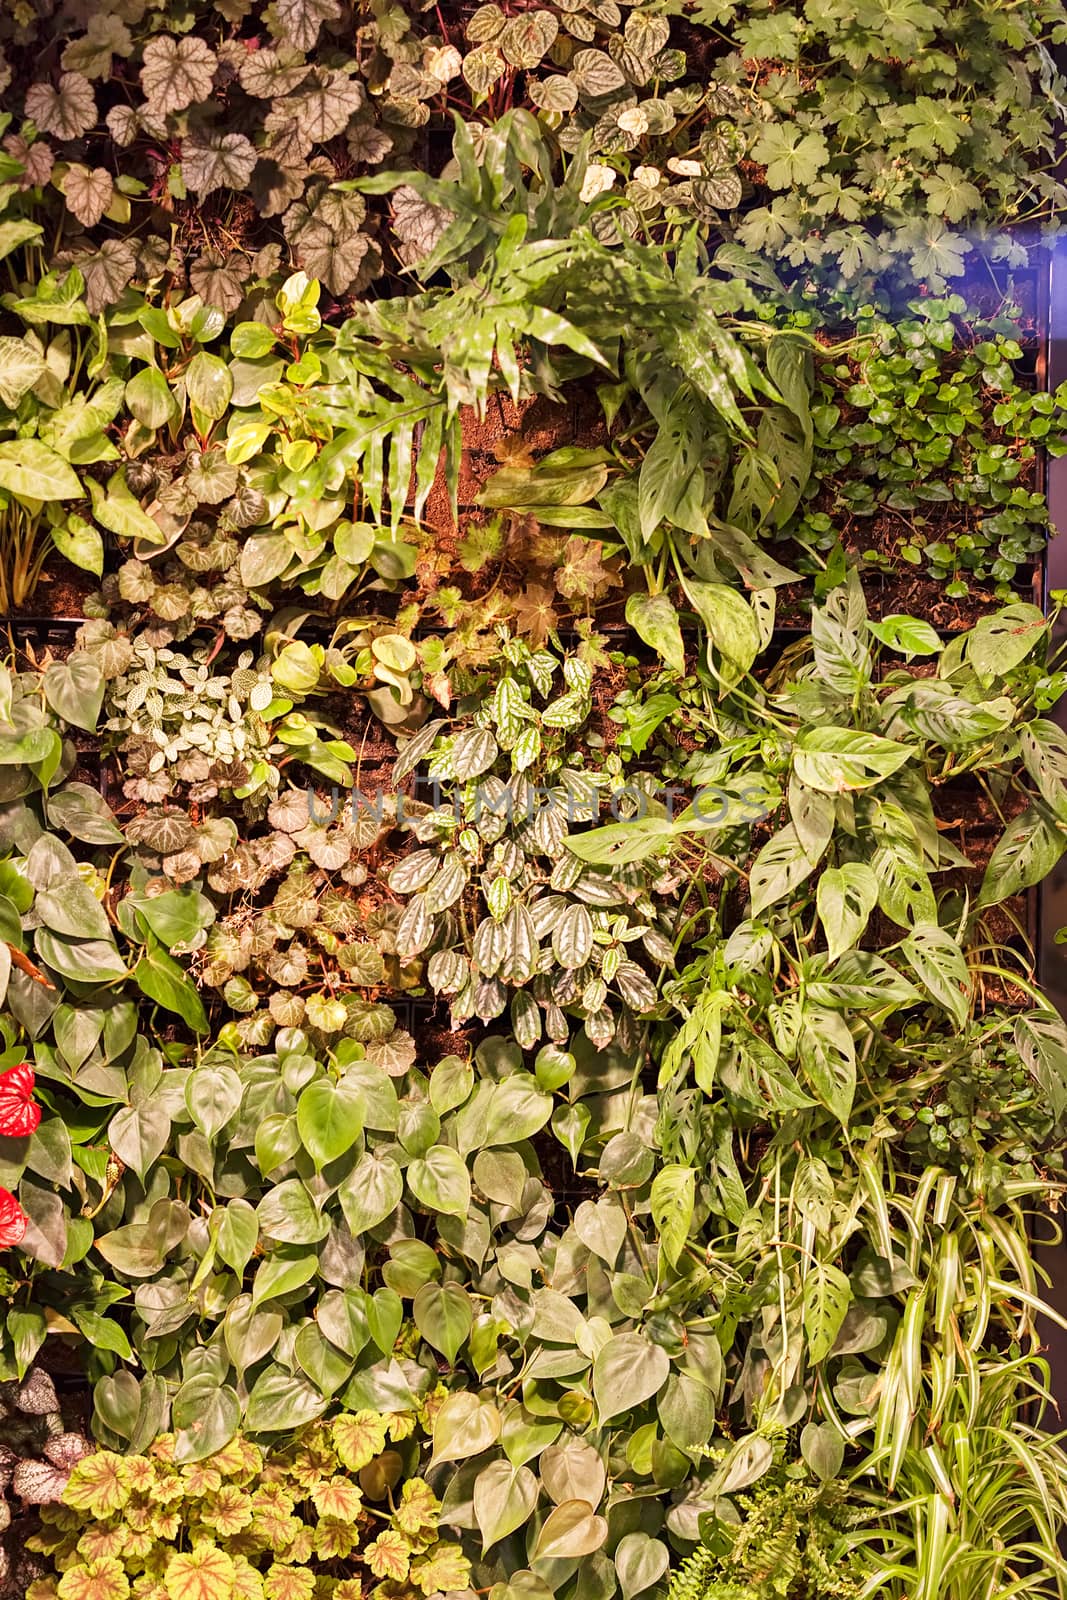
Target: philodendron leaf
{"x":827,"y":1297}
{"x":444,"y":1315}
{"x":655,"y":620}
{"x":941,"y":968}
{"x":464,"y":1427}
{"x":504,"y":1499}
{"x":20,"y":368}
{"x":570,"y":1531}
{"x":75,"y":690}
{"x":640,"y":1561}
{"x":31,"y":471}
{"x":672,"y":1200}
{"x":80,"y":543}
{"x":441,"y":1181}
{"x":205,"y":1415}
{"x":626,"y":1373}
{"x":834,"y":760}
{"x":330,"y":1119}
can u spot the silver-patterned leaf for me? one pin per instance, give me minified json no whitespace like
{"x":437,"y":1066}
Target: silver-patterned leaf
{"x":88,"y":194}
{"x":448,"y":885}
{"x":498,"y":898}
{"x":68,"y":112}
{"x":525,"y":1019}
{"x":520,"y":963}
{"x":485,"y":24}
{"x":490,"y":946}
{"x":490,"y":998}
{"x":572,"y":937}
{"x":415,"y":929}
{"x":36,"y":1394}
{"x":473,"y":752}
{"x":416,"y":748}
{"x":219,"y":161}
{"x":635,"y":986}
{"x":447,"y":971}
{"x":527,"y":38}
{"x":482,"y":67}
{"x":39,"y":1483}
{"x":546,"y":912}
{"x":177,"y":72}
{"x":64,"y":1450}
{"x":414,"y":872}
{"x":600,"y":1027}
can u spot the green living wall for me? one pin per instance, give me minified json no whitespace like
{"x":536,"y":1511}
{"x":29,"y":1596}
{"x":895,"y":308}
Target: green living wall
{"x":524,"y":737}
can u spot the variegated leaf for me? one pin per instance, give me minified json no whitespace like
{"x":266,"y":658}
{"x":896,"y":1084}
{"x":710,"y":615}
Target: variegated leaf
{"x":490,"y":998}
{"x":572,"y":937}
{"x":522,"y":947}
{"x":473,"y":752}
{"x":447,"y":970}
{"x":447,"y":887}
{"x":526,"y":749}
{"x":414,"y":872}
{"x":525,"y":1019}
{"x":490,"y":947}
{"x":415,"y":929}
{"x":635,"y":987}
{"x":498,"y":898}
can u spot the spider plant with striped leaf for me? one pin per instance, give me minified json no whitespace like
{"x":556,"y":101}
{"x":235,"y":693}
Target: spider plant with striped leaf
{"x":981,"y":1498}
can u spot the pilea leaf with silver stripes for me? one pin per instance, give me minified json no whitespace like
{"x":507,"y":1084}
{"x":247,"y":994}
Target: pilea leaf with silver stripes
{"x":417,"y":747}
{"x":520,"y":962}
{"x":446,"y":971}
{"x":414,"y":872}
{"x":526,"y":749}
{"x":415,"y":929}
{"x":498,"y":898}
{"x":525,"y":1019}
{"x":572,"y":937}
{"x":635,"y":987}
{"x":490,"y":947}
{"x":447,"y":887}
{"x":473,"y":752}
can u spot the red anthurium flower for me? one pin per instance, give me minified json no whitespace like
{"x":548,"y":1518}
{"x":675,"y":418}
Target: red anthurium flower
{"x":13,"y":1220}
{"x":18,"y":1114}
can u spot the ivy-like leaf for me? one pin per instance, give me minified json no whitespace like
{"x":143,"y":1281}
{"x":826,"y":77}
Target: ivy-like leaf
{"x":219,"y":161}
{"x":68,"y":111}
{"x":88,"y":194}
{"x":177,"y":71}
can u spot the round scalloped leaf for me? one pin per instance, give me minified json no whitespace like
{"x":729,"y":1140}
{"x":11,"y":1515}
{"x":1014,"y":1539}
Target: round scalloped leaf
{"x":68,"y":111}
{"x":275,"y":71}
{"x":99,"y":1578}
{"x":556,"y":93}
{"x":324,"y":108}
{"x":222,"y":161}
{"x":39,"y":1483}
{"x":298,"y":22}
{"x":203,"y":1573}
{"x":358,"y":1439}
{"x":483,"y":68}
{"x":177,"y":72}
{"x":88,"y":194}
{"x":99,"y":1484}
{"x":528,"y":38}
